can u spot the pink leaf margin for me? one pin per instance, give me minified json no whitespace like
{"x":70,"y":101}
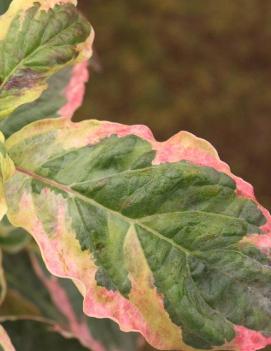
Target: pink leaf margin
{"x":102,"y":303}
{"x":75,"y":90}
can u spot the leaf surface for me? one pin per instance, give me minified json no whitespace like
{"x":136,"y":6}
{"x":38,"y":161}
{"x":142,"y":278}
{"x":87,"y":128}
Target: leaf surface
{"x":38,"y":39}
{"x":145,"y":229}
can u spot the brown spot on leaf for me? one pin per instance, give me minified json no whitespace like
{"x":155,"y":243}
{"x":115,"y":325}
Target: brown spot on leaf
{"x":25,"y":78}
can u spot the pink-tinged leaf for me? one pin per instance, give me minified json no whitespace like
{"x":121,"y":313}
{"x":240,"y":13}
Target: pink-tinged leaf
{"x":38,"y":38}
{"x":5,"y":341}
{"x":75,"y":90}
{"x":155,"y":235}
{"x":63,"y":96}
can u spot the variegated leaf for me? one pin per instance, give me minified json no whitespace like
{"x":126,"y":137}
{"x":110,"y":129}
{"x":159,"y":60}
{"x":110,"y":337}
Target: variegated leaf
{"x":48,"y":298}
{"x":37,"y":39}
{"x":63,"y":96}
{"x":160,"y":237}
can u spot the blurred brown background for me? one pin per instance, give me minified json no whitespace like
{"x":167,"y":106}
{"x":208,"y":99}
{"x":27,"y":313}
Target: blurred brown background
{"x":201,"y":66}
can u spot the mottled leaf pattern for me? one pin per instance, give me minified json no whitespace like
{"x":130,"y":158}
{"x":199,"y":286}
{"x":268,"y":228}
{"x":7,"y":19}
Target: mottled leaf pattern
{"x":37,"y":39}
{"x":145,"y":229}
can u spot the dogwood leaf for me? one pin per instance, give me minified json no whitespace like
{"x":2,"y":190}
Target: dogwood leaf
{"x":37,"y":39}
{"x":160,"y":237}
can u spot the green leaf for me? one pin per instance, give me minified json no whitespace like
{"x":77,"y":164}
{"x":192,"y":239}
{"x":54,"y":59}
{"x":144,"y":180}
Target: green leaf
{"x":146,"y":229}
{"x":35,"y":43}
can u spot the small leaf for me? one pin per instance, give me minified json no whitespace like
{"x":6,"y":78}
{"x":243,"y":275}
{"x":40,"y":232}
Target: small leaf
{"x":37,"y":39}
{"x":145,"y":229}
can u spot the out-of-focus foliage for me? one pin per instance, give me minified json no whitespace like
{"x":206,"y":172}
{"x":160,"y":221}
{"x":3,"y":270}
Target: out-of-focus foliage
{"x":57,"y":303}
{"x":202,"y":66}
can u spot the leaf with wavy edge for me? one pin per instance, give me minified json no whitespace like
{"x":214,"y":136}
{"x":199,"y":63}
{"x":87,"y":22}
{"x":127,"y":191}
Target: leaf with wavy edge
{"x":37,"y":39}
{"x":145,"y":229}
{"x":62,"y":98}
{"x":5,"y":342}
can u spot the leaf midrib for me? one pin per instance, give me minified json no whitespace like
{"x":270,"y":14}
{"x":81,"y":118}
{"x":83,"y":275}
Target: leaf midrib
{"x":132,"y":221}
{"x":67,"y":189}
